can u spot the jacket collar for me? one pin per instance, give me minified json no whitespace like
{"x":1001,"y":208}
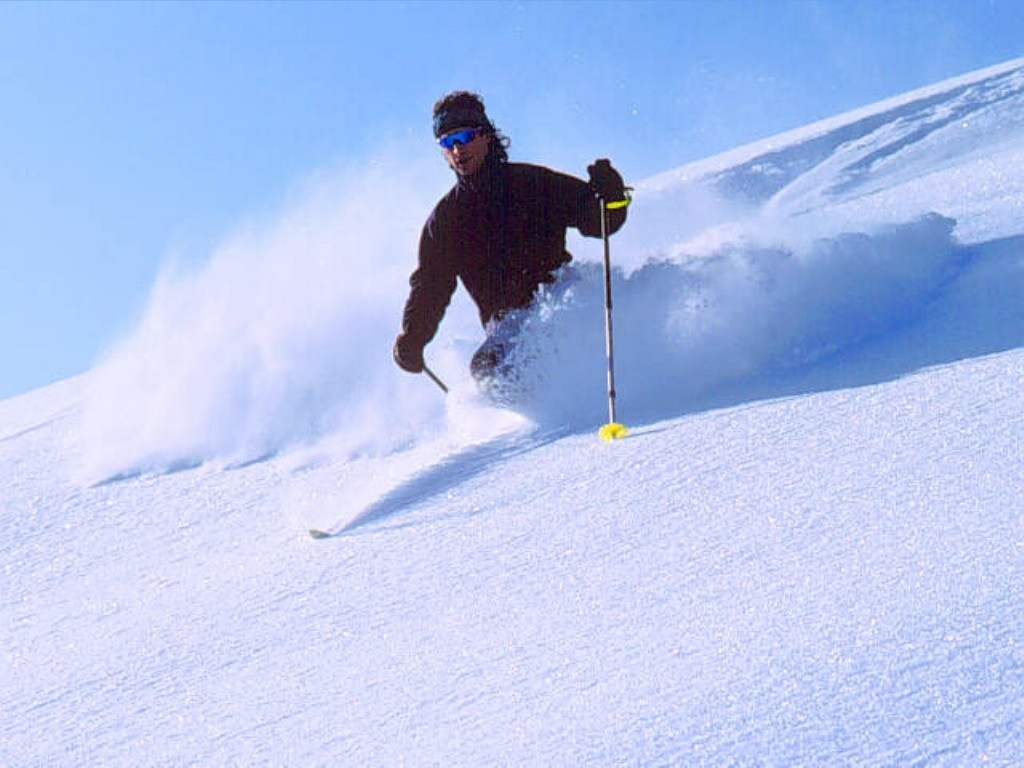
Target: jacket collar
{"x":488,"y":180}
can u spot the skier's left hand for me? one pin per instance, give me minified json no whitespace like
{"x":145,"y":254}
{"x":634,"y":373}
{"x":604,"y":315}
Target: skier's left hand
{"x":605,"y":181}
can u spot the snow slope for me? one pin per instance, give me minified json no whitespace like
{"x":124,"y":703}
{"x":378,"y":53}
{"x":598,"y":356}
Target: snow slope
{"x":808,"y":552}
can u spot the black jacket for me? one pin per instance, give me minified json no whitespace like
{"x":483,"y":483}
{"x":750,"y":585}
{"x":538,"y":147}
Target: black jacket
{"x":502,"y":232}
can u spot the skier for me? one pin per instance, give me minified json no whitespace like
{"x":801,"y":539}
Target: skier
{"x":500,"y":229}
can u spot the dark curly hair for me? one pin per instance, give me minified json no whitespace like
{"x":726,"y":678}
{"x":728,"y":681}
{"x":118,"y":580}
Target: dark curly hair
{"x":465,"y":108}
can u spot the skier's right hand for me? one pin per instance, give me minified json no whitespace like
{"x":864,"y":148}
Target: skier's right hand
{"x":408,"y":354}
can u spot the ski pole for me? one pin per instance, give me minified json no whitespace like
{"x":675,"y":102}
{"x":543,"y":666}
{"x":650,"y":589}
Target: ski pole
{"x":433,"y":378}
{"x":612,"y":429}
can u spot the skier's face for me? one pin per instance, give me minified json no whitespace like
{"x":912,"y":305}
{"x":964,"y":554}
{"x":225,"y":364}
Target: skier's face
{"x":467,"y":158}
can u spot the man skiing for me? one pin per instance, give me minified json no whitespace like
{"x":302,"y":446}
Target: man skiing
{"x":500,"y":230}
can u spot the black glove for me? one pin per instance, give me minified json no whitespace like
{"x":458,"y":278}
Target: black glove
{"x":408,"y":354}
{"x":605,"y":182}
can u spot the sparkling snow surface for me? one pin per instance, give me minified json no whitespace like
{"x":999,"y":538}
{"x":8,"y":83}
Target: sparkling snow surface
{"x":809,"y":551}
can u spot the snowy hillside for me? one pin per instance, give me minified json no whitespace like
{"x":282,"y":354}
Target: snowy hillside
{"x":808,"y":552}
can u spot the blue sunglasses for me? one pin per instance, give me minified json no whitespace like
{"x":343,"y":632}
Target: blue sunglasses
{"x":449,"y":140}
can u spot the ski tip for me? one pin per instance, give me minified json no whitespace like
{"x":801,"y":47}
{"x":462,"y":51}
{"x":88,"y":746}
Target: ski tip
{"x":316,"y":533}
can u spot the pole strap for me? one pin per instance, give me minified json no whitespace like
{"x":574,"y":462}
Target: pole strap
{"x":615,"y":205}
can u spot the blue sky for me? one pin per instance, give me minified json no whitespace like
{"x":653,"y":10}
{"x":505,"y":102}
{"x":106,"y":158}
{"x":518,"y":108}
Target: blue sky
{"x":131,"y":131}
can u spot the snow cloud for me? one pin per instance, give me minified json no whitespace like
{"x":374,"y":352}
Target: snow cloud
{"x":282,"y":336}
{"x":732,"y":310}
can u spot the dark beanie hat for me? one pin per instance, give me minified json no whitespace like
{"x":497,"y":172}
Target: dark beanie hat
{"x":461,"y":109}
